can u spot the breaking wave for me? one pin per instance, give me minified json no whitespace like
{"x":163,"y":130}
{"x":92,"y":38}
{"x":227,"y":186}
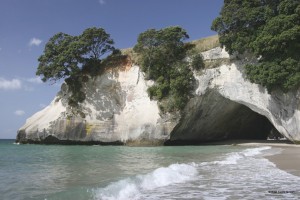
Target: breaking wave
{"x":134,"y":187}
{"x":232,"y":158}
{"x":130,"y":188}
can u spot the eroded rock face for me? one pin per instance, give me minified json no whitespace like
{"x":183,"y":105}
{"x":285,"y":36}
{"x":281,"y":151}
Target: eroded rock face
{"x":220,"y":91}
{"x":211,"y":117}
{"x":118,"y":110}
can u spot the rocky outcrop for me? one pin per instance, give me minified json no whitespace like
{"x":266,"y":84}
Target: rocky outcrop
{"x":211,"y":117}
{"x":117,"y":110}
{"x":227,"y":106}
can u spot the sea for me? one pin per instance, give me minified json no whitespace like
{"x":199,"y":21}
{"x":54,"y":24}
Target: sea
{"x":55,"y":172}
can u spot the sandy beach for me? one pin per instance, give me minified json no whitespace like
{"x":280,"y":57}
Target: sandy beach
{"x":289,"y":158}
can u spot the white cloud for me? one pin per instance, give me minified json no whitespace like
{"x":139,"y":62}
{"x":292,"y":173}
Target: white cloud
{"x":19,"y":112}
{"x":102,"y":2}
{"x":13,"y":84}
{"x":36,"y":80}
{"x":35,"y":42}
{"x":25,"y":84}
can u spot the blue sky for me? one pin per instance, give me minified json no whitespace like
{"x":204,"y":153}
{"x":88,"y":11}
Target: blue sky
{"x":26,"y":26}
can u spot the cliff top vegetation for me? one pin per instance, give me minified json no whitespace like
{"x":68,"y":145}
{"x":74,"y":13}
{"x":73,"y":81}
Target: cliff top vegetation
{"x":160,"y":53}
{"x":200,"y":45}
{"x":162,"y":56}
{"x":270,"y":30}
{"x":75,"y":58}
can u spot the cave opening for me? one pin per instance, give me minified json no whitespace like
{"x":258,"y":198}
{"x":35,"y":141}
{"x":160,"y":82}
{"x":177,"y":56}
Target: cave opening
{"x":211,"y":118}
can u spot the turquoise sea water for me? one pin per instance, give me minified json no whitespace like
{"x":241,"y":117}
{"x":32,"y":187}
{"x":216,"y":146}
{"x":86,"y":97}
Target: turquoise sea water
{"x":118,"y":172}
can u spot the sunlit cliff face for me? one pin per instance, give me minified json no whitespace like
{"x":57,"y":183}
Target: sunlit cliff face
{"x":118,"y":110}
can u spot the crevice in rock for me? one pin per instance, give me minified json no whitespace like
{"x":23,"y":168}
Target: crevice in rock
{"x":211,"y":117}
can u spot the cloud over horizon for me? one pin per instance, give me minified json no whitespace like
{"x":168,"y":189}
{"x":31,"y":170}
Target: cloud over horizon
{"x":36,"y":80}
{"x":19,"y":83}
{"x":19,"y":112}
{"x":13,"y":84}
{"x":35,"y":42}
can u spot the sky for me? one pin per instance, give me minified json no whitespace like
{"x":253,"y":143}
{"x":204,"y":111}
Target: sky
{"x":27,"y":25}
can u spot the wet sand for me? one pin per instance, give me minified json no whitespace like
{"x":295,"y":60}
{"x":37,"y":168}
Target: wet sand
{"x":289,"y":158}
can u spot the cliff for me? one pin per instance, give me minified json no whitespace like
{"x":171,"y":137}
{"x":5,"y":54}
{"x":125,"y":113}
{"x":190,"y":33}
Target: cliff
{"x":117,"y":110}
{"x":227,"y":106}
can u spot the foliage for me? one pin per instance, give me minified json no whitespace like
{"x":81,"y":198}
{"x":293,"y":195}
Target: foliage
{"x":60,"y":58}
{"x":77,"y":96}
{"x":95,"y":67}
{"x":73,"y":57}
{"x":283,"y":74}
{"x":162,"y":53}
{"x":95,"y":43}
{"x":64,"y":55}
{"x":268,"y":29}
{"x":197,"y":62}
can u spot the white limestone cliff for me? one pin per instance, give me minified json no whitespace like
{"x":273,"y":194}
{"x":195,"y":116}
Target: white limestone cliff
{"x":281,"y":109}
{"x":117,"y":108}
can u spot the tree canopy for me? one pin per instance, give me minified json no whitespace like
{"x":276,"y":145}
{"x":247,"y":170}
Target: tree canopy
{"x":65,"y":55}
{"x":162,"y":57}
{"x":162,"y":54}
{"x":73,"y":57}
{"x":270,"y":30}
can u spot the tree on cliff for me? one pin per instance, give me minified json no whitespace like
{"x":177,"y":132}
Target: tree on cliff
{"x":162,"y":54}
{"x":65,"y":55}
{"x":268,"y":29}
{"x":72,"y":57}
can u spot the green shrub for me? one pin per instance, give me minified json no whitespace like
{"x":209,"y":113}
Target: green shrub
{"x":162,"y":56}
{"x":271,"y":31}
{"x":197,"y":62}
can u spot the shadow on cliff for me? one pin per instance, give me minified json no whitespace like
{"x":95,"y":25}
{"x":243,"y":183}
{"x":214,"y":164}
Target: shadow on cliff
{"x":211,"y":117}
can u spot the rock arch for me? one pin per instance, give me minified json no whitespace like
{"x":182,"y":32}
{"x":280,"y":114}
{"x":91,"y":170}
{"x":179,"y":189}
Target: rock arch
{"x":225,"y":91}
{"x":211,"y":117}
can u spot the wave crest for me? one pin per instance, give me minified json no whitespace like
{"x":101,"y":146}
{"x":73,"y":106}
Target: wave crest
{"x":131,"y":188}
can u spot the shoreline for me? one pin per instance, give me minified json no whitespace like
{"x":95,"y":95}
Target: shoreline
{"x":287,"y":160}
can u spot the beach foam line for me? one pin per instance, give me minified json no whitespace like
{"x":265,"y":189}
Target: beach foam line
{"x":255,"y":151}
{"x":131,"y":188}
{"x":232,"y":158}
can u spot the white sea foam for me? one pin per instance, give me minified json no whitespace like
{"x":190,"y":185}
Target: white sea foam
{"x":255,"y":151}
{"x":206,"y":180}
{"x":232,"y":158}
{"x":131,"y":188}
